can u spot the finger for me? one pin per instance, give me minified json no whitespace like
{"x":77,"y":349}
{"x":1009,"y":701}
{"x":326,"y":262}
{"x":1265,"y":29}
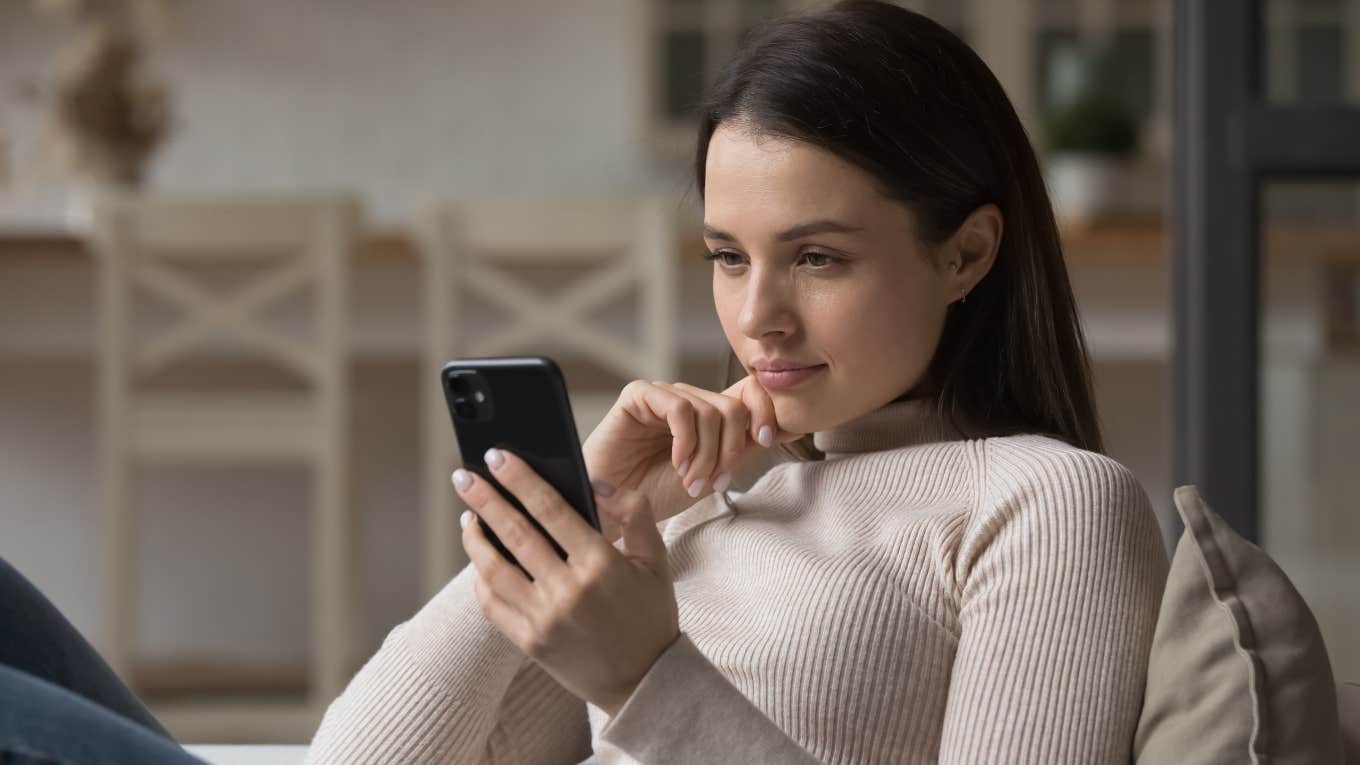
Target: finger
{"x":510,"y":525}
{"x":641,"y":539}
{"x":709,"y":419}
{"x":652,"y":404}
{"x":557,"y":517}
{"x":502,"y":615}
{"x":763,"y":416}
{"x":505,"y":580}
{"x":735,"y":438}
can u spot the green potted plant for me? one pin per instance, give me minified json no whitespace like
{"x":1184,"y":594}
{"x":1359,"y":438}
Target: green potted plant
{"x":1091,"y":135}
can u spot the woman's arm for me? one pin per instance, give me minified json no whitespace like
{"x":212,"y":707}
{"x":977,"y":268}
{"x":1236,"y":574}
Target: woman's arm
{"x":448,"y":687}
{"x":1061,"y":572}
{"x":686,"y":712}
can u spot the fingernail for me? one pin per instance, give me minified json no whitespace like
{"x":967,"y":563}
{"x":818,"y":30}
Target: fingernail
{"x":766,"y":436}
{"x":720,"y":485}
{"x":462,"y":479}
{"x":696,"y":488}
{"x":603,"y":488}
{"x":493,"y":458}
{"x":464,"y":518}
{"x":684,"y":468}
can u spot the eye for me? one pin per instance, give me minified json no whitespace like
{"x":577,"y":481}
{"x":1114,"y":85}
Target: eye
{"x":820,"y":259}
{"x":725,"y":258}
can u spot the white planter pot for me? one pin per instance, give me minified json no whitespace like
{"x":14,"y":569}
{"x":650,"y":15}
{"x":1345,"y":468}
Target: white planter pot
{"x":81,"y":197}
{"x":1083,"y":187}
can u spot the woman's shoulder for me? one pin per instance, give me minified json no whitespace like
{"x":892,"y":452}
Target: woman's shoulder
{"x":1031,"y":457}
{"x":1039,"y":490}
{"x":1041,"y":476}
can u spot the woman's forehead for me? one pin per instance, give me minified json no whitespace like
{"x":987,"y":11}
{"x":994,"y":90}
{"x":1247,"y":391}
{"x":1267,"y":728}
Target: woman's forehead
{"x":780,"y":177}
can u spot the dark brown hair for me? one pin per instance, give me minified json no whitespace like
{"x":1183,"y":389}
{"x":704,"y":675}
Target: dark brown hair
{"x":903,"y":98}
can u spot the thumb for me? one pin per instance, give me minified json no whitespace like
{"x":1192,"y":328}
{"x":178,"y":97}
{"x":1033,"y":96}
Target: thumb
{"x":640,"y":535}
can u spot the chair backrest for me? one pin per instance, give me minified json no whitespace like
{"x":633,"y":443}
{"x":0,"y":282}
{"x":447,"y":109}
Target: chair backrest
{"x":176,"y":251}
{"x":609,"y":248}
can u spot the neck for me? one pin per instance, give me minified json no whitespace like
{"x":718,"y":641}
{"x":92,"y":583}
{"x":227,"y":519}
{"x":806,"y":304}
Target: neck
{"x":891,"y":426}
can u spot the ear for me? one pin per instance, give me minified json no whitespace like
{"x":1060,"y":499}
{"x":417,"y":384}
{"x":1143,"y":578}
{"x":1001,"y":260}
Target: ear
{"x":971,"y":251}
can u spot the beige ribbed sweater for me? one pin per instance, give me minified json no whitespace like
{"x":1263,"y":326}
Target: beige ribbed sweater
{"x":912,"y":598}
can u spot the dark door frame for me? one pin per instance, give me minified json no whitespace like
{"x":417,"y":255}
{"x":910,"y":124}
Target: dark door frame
{"x":1228,"y":140}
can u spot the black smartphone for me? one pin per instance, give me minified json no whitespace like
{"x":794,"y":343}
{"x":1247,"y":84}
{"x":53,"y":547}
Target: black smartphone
{"x":519,"y":404}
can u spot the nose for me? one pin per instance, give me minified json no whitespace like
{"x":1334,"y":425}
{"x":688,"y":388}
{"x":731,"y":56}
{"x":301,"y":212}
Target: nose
{"x":766,"y":308}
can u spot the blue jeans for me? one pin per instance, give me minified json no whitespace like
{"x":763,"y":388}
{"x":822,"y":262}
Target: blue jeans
{"x":59,"y":701}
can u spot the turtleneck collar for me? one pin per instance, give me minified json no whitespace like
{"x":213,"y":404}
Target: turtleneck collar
{"x":892,"y":426}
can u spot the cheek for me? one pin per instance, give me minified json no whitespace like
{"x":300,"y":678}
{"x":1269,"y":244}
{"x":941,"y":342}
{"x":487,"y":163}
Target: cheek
{"x":727,"y":301}
{"x":888,"y":333}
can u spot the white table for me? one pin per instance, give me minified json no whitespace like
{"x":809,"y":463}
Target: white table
{"x":225,"y":754}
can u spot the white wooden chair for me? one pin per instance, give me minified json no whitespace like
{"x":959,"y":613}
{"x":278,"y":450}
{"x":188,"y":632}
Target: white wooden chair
{"x":159,"y":250}
{"x":486,"y":251}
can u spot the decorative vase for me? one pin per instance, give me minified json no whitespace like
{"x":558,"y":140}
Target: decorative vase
{"x":1085,"y":186}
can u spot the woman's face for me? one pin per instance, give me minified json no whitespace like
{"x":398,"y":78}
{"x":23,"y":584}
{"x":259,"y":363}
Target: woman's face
{"x":815,"y":268}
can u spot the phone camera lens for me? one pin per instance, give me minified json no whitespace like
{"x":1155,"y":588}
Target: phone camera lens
{"x":463,"y":409}
{"x":459,"y":385}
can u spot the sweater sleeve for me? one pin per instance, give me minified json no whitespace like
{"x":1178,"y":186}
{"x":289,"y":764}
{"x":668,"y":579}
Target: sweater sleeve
{"x":685,"y":712}
{"x":1060,"y":572}
{"x":448,"y":687}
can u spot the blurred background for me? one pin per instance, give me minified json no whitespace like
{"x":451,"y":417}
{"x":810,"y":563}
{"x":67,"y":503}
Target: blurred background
{"x":237,"y":238}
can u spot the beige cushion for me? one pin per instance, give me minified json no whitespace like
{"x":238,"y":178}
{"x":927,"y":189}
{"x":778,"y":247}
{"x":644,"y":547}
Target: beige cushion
{"x":1238,"y":671}
{"x":1348,"y":698}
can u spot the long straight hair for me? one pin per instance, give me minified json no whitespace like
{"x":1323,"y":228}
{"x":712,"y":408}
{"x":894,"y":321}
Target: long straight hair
{"x":903,"y":98}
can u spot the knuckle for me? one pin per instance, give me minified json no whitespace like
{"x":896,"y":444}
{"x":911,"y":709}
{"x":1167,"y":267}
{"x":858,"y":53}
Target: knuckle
{"x":535,"y":645}
{"x":516,"y":532}
{"x":542,"y":501}
{"x":571,"y":601}
{"x":594,"y":566}
{"x":629,"y":505}
{"x":730,"y":406}
{"x":483,"y":598}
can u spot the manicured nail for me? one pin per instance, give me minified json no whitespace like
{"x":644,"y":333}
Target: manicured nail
{"x":603,"y":488}
{"x":684,"y":468}
{"x":462,"y":479}
{"x":766,"y":436}
{"x":696,"y":488}
{"x":720,"y":485}
{"x":493,"y":458}
{"x":464,"y":518}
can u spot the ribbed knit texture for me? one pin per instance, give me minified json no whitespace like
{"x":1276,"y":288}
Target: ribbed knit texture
{"x":914,"y":597}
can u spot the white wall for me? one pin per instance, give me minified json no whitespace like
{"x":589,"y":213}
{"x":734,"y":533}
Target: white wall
{"x":408,"y":101}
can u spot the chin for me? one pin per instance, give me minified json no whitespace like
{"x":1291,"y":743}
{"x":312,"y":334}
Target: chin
{"x":802,"y":416}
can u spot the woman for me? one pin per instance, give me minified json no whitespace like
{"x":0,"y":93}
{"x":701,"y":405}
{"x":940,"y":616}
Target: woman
{"x":948,"y":569}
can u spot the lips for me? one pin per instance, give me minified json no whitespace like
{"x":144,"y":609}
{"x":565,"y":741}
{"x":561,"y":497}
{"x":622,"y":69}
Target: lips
{"x":786,"y":375}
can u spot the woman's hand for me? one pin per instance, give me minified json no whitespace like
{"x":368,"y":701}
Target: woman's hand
{"x":676,"y":442}
{"x":597,"y":621}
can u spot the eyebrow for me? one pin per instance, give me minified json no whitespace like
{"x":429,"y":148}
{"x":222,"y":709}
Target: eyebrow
{"x":796,"y":232}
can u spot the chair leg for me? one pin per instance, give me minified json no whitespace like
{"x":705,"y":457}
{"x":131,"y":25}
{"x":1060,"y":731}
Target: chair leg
{"x":119,"y":565}
{"x":333,"y":580}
